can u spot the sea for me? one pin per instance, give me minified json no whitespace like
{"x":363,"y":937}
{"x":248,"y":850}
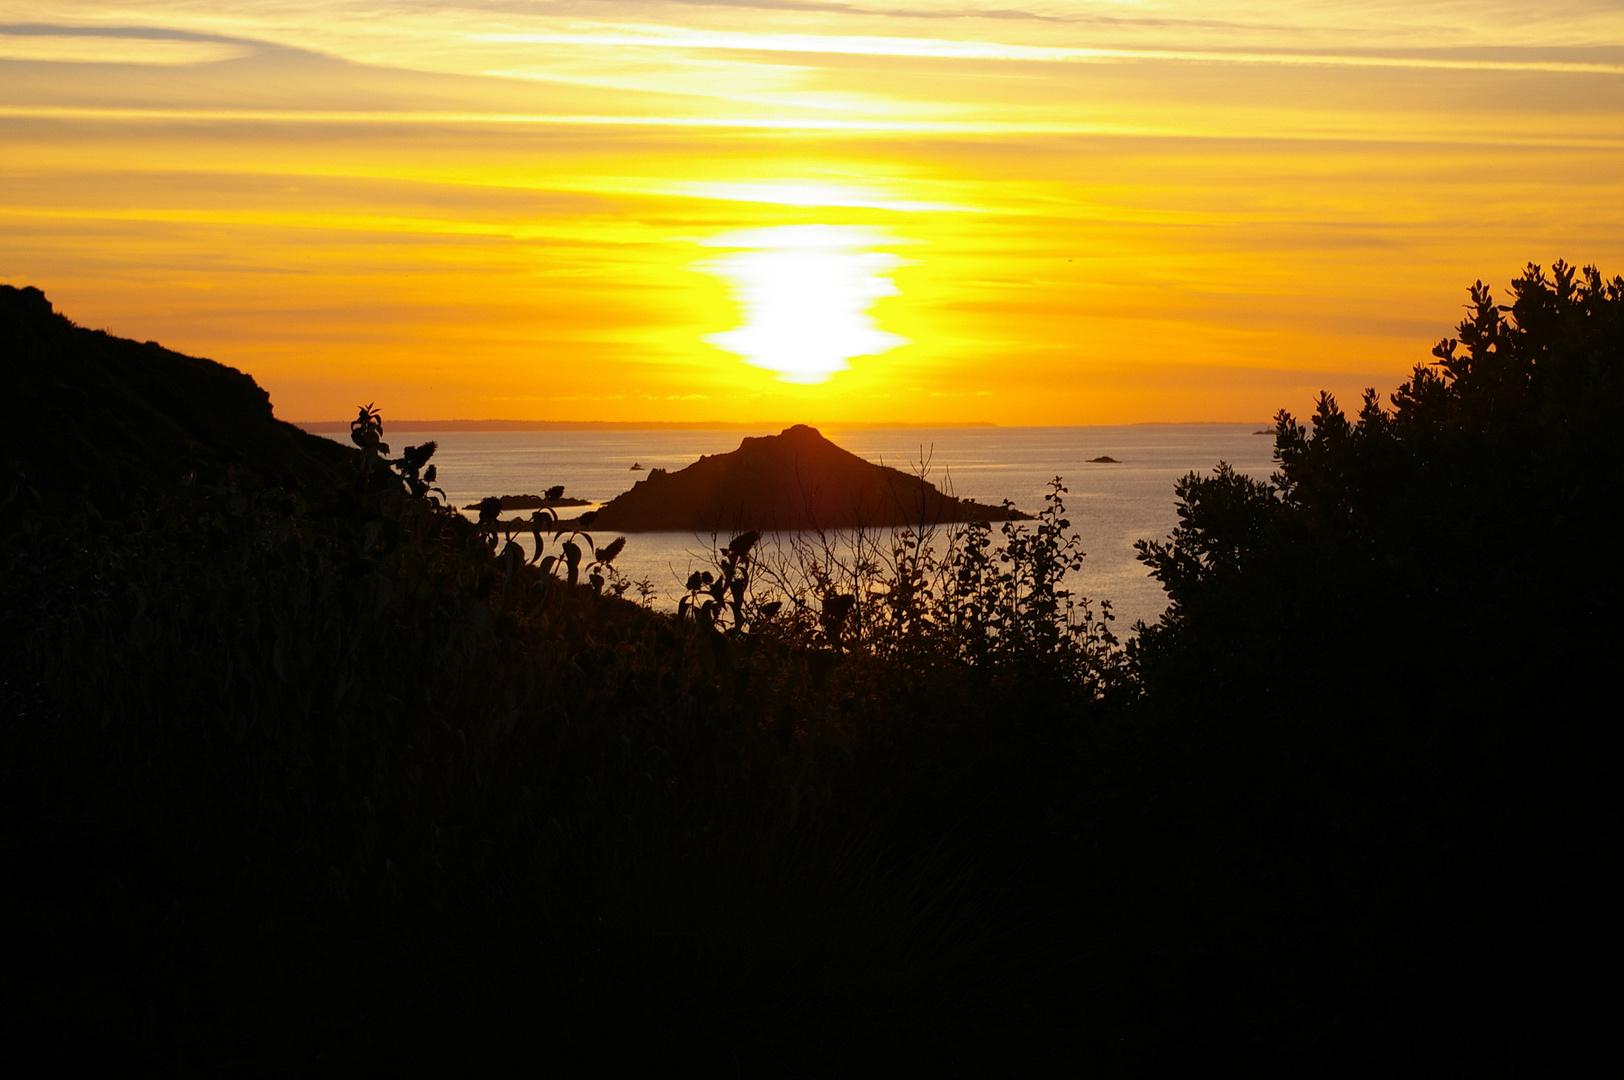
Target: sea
{"x":1110,"y":506}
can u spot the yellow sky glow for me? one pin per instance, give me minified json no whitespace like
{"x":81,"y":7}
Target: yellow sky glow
{"x":804,"y":294}
{"x":1060,"y":211}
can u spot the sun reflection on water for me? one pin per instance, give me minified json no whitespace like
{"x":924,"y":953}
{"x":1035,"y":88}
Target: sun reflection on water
{"x":804,"y":292}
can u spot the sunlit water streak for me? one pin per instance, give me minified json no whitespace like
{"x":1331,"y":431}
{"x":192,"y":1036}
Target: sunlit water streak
{"x":1110,"y":506}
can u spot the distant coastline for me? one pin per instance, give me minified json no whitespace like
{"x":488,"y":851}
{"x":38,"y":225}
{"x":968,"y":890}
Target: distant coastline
{"x":331,"y":427}
{"x":327,"y":427}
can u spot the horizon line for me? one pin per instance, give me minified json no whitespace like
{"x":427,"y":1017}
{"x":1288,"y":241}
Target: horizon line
{"x":326,"y":427}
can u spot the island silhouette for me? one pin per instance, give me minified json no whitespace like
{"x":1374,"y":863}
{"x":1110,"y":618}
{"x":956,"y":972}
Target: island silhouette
{"x":552,"y":498}
{"x":794,"y":480}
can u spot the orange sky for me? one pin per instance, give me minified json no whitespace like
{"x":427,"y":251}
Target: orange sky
{"x":1047,"y":213}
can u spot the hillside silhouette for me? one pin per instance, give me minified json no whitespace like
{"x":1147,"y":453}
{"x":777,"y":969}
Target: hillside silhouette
{"x":794,"y":480}
{"x":98,"y":416}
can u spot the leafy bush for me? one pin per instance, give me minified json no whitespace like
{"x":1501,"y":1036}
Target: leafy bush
{"x":1480,"y":493}
{"x":1002,"y":608}
{"x":371,"y":735}
{"x":1366,"y":732}
{"x":322,"y":765}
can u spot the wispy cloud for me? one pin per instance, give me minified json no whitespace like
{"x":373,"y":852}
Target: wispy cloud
{"x":954,"y":49}
{"x":1352,"y":128}
{"x":1121,"y":207}
{"x":75,"y":45}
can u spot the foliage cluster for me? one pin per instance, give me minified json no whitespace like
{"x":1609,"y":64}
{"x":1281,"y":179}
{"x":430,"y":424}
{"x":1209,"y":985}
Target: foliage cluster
{"x":1371,"y":707}
{"x":1482,"y":490}
{"x":969,"y":595}
{"x":279,"y":738}
{"x":321,"y":767}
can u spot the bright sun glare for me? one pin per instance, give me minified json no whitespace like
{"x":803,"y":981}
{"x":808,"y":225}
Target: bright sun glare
{"x":805,"y":292}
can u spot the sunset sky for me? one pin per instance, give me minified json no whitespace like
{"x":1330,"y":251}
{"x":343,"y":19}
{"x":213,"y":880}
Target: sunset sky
{"x":1050,"y":212}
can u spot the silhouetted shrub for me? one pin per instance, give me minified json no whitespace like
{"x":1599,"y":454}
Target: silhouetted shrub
{"x":298,"y":757}
{"x":1367,"y":743}
{"x":370,"y":735}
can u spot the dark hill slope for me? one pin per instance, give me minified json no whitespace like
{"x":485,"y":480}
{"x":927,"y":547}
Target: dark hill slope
{"x":95,"y":415}
{"x":794,"y":480}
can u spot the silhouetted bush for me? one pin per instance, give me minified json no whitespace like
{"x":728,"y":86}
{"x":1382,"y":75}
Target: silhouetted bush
{"x":302,"y":764}
{"x":287,"y":759}
{"x":1368,"y":732}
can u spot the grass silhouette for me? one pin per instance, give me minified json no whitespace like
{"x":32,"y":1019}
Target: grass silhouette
{"x":305,"y":769}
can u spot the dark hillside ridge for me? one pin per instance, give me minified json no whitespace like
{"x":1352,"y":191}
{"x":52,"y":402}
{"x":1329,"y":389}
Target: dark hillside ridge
{"x":794,"y":480}
{"x":99,"y":416}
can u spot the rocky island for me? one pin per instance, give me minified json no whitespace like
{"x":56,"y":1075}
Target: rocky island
{"x":552,"y":499}
{"x":794,"y":480}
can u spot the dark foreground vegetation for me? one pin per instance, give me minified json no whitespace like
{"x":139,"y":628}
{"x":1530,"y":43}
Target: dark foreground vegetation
{"x":302,"y":770}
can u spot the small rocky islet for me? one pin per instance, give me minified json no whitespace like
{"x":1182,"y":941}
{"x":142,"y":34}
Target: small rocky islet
{"x":795,"y":480}
{"x":533,"y":502}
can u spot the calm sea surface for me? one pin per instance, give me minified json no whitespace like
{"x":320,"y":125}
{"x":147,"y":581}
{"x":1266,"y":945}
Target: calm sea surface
{"x":1110,"y":506}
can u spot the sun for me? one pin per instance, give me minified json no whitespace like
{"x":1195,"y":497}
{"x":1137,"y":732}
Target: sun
{"x":804,"y":292}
